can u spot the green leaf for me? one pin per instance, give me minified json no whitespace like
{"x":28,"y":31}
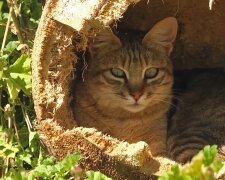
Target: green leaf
{"x":33,"y":141}
{"x":18,"y":77}
{"x":96,"y":175}
{"x":1,"y":4}
{"x":23,"y":134}
{"x":2,"y":147}
{"x":12,"y":89}
{"x":70,"y":160}
{"x":22,"y":65}
{"x":3,"y":63}
{"x":11,"y":46}
{"x":164,"y":176}
{"x":33,"y":136}
{"x":209,"y":154}
{"x":40,"y":171}
{"x":5,"y":16}
{"x":1,"y":74}
{"x":26,"y":157}
{"x":48,"y":161}
{"x":51,"y":170}
{"x":21,"y":82}
{"x":10,"y":151}
{"x":3,"y":59}
{"x":202,"y":166}
{"x":175,"y":169}
{"x":44,"y":171}
{"x":217,"y":165}
{"x":59,"y":167}
{"x":36,"y":10}
{"x":14,"y":174}
{"x":31,"y":12}
{"x":1,"y":32}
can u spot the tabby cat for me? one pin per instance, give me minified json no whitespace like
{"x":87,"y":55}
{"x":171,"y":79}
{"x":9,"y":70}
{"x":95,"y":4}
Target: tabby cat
{"x":126,"y":89}
{"x":200,"y":118}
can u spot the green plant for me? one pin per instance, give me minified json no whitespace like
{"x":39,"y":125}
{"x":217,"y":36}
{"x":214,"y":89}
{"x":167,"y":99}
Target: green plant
{"x":21,"y":154}
{"x":96,"y":175}
{"x":17,"y":152}
{"x":203,"y":166}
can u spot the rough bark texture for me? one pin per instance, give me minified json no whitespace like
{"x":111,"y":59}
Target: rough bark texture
{"x":199,"y":45}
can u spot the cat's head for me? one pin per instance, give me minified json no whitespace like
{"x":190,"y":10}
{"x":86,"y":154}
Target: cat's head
{"x":132,"y":75}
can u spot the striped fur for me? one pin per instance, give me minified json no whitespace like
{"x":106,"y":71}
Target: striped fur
{"x":104,"y":101}
{"x":200,"y":118}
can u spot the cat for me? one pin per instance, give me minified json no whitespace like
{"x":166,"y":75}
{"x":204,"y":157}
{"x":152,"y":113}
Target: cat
{"x":200,"y":117}
{"x":126,"y":90}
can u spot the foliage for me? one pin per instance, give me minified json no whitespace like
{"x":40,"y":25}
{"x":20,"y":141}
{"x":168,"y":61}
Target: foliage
{"x":96,"y":175}
{"x":27,"y":166}
{"x":203,"y":166}
{"x":21,"y":154}
{"x":49,"y":169}
{"x":19,"y":145}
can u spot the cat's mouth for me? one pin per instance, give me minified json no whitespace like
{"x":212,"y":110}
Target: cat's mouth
{"x":135,"y":107}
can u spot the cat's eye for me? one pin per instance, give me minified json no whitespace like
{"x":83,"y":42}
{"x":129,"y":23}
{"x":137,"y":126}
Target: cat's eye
{"x":118,"y":73}
{"x":151,"y":73}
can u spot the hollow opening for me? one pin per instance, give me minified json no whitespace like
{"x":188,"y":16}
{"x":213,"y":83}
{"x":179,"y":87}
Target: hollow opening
{"x":197,"y":50}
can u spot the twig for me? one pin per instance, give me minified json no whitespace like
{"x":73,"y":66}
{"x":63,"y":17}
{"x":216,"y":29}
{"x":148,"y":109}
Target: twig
{"x":8,"y":139}
{"x":17,"y":134}
{"x":221,"y":173}
{"x":6,"y":30}
{"x":22,"y":29}
{"x":1,"y":110}
{"x":16,"y":23}
{"x":7,"y":166}
{"x":2,"y":24}
{"x":26,"y":117}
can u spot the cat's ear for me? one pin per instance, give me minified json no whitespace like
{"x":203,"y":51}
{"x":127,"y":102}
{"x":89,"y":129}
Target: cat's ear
{"x":163,"y":33}
{"x":105,"y":41}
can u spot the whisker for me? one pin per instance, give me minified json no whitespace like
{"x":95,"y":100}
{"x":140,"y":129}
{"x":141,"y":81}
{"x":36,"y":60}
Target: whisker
{"x":179,"y":91}
{"x":165,"y":102}
{"x":167,"y":95}
{"x":120,"y":95}
{"x":177,"y":98}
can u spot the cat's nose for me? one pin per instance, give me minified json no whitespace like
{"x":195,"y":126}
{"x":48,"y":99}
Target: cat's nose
{"x":136,"y":95}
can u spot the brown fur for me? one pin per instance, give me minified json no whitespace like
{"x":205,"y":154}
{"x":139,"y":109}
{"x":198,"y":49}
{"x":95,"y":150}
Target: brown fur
{"x":107,"y":102}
